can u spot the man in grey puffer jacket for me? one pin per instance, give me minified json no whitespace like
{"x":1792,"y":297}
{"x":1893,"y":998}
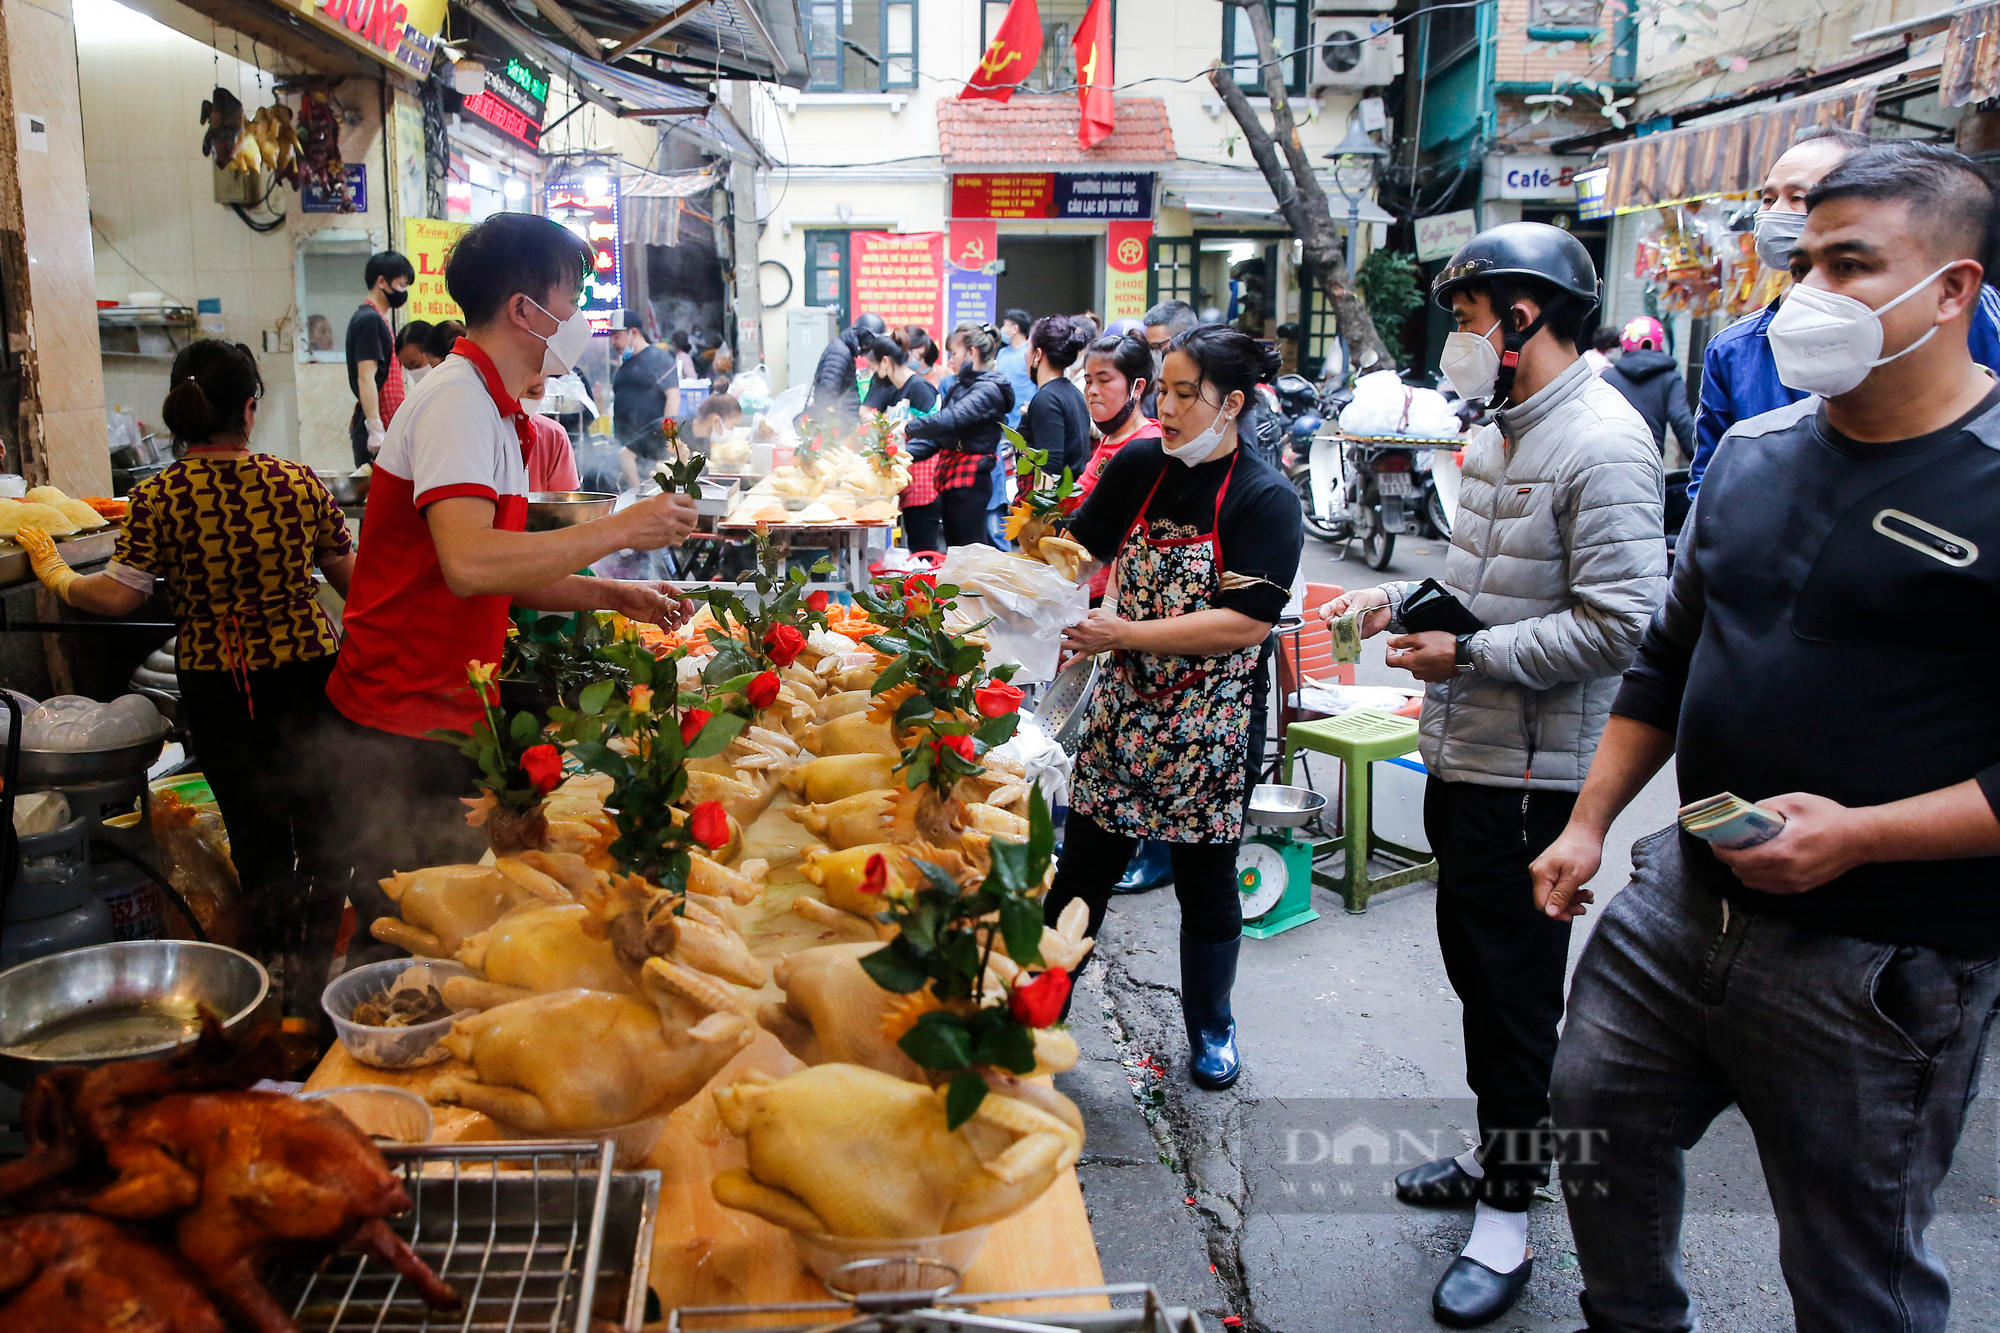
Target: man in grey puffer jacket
{"x":1558,"y":550}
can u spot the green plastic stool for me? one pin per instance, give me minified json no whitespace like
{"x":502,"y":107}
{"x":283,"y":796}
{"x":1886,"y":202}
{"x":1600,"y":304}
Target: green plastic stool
{"x":1358,"y":739}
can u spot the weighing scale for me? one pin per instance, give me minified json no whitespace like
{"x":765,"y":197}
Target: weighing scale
{"x":1274,"y":869}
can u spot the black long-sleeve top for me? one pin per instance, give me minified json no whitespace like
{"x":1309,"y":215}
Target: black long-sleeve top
{"x":968,"y":418}
{"x":1831,"y":628}
{"x":1057,"y":420}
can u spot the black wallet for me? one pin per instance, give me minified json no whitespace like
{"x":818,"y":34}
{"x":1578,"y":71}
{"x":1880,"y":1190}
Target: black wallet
{"x":1430,"y":607}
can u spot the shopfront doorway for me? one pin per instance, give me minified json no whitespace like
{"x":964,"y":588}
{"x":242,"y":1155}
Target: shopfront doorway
{"x":1046,"y":275}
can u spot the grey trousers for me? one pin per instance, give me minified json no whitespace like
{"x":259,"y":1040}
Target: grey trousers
{"x":1853,"y":1062}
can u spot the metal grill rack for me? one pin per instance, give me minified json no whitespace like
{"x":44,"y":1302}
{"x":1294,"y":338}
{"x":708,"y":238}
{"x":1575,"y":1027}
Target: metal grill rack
{"x":937,"y":1311}
{"x":534,"y":1235}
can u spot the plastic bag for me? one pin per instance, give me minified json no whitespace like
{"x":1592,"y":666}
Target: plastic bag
{"x":1031,"y":605}
{"x":1384,"y":405}
{"x":779,"y":422}
{"x":752,"y":389}
{"x":192,"y":847}
{"x":1048,"y":767}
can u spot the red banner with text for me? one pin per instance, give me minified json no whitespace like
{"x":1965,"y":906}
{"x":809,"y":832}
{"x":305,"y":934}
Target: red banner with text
{"x":899,"y":276}
{"x":1125,"y":269}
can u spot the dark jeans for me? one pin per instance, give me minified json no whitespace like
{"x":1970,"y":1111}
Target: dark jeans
{"x":1854,"y":1063}
{"x":923,"y":527}
{"x":357,"y":437}
{"x":1093,"y":858}
{"x":1506,"y":961}
{"x":257,"y":755}
{"x":964,"y":513}
{"x":395,"y":805}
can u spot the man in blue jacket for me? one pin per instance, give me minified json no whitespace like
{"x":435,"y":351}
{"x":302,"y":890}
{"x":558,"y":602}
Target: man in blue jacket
{"x":1738,"y":378}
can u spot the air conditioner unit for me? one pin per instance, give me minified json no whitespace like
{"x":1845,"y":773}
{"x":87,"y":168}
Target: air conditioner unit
{"x":1355,"y":50}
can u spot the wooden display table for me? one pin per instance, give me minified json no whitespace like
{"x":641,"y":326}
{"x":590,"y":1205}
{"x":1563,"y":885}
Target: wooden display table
{"x":705,"y":1254}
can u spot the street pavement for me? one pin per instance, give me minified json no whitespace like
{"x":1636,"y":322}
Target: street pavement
{"x":1259,"y":1203}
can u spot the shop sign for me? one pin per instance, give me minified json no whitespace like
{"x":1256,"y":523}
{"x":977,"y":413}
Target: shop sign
{"x":971,"y":298}
{"x":1103,"y":194}
{"x":1084,"y":196}
{"x":899,"y":276}
{"x":1440,"y":235}
{"x":312,"y":199}
{"x":1535,"y":175}
{"x":426,"y":242}
{"x":400,"y":33}
{"x":975,"y":244}
{"x":514,"y":101}
{"x":1125,"y":270}
{"x":594,"y":220}
{"x":1591,"y":202}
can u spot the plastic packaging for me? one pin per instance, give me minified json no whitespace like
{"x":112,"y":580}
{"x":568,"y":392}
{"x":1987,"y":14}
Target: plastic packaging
{"x":752,"y":389}
{"x":1384,"y":405}
{"x":1029,"y":602}
{"x":1047,"y":766}
{"x":389,"y":1048}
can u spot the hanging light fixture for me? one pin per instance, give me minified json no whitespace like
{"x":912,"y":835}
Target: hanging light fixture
{"x":468,"y":76}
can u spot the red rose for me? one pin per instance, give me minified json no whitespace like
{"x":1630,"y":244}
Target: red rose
{"x":958,"y":745}
{"x":890,"y":450}
{"x":817,"y":600}
{"x":876,"y":878}
{"x":996,"y":698}
{"x":543,"y":765}
{"x":917,"y":583}
{"x":692,"y":722}
{"x":1071,"y":504}
{"x":1040,"y":1002}
{"x":784,"y":644}
{"x":710,"y":824}
{"x":763,"y":691}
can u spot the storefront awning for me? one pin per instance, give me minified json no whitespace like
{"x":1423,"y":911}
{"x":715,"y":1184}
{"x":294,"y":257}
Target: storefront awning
{"x":1971,"y":69}
{"x":624,"y":93}
{"x":1727,"y":157}
{"x":1244,"y":196}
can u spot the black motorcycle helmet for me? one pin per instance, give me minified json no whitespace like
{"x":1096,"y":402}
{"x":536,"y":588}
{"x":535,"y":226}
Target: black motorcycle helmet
{"x":1296,"y":395}
{"x":1530,"y":250}
{"x":873,"y":325}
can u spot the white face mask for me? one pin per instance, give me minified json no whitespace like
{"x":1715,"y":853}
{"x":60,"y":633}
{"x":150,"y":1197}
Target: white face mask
{"x":1203,"y":446}
{"x":1826,"y":343}
{"x":1471,"y":362}
{"x":1777,"y":231}
{"x":563,"y":347}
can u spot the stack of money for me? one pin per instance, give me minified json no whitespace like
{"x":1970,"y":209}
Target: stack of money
{"x":1730,"y":821}
{"x":1347,"y":637}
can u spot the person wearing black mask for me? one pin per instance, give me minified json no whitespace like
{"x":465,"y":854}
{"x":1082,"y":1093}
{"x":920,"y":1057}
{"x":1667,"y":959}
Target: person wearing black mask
{"x":964,"y":433}
{"x":1057,"y":420}
{"x":834,"y":399}
{"x":895,"y":379}
{"x":645,"y":392}
{"x":373,"y":370}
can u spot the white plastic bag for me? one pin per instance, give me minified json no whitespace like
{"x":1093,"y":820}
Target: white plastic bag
{"x":1384,"y":405}
{"x":1031,"y":605}
{"x":782,"y":412}
{"x":752,"y":389}
{"x":1048,"y":767}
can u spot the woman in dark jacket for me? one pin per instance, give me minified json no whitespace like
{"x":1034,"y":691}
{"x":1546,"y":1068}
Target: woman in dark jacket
{"x":1057,"y":420}
{"x":964,"y":433}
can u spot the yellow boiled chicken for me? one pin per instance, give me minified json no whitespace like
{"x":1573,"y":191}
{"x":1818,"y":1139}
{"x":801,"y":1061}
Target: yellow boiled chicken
{"x":897,"y":815}
{"x":444,"y":906}
{"x":856,"y":733}
{"x":864,"y":817}
{"x":842,"y":703}
{"x":533,"y":950}
{"x":741,"y":884}
{"x":848,"y":1151}
{"x":995,"y":822}
{"x":639,"y":920}
{"x":744,"y":800}
{"x":575,"y":1061}
{"x":838,"y":776}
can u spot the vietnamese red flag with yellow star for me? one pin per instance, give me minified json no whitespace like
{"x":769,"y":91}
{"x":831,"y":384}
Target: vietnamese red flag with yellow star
{"x":1011,"y":55}
{"x":1093,"y":75}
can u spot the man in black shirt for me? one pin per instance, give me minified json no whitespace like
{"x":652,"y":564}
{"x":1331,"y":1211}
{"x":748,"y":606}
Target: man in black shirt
{"x":1825,"y":651}
{"x":371,"y":350}
{"x":645,"y":391}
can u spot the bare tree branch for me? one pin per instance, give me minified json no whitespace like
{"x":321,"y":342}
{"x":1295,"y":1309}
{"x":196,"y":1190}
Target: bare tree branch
{"x":1300,"y":196}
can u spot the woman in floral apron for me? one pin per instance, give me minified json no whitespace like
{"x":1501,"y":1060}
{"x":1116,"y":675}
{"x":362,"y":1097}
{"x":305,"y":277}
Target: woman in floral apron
{"x":1205,"y":539}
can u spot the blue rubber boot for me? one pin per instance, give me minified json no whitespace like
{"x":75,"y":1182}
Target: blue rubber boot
{"x":1151,"y":866}
{"x":1208,"y":972}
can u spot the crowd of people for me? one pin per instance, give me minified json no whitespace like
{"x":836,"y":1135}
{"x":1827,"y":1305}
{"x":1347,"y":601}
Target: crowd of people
{"x":1836,"y":982}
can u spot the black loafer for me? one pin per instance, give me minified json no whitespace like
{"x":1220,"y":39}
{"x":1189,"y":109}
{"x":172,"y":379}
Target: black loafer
{"x":1439,"y":1184}
{"x":1470,"y":1294}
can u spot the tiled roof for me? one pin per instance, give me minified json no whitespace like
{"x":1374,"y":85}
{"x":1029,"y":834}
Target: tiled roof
{"x":1032,"y":130}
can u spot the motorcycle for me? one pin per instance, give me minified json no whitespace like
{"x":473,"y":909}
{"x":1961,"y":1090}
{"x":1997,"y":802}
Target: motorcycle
{"x":1367,"y":490}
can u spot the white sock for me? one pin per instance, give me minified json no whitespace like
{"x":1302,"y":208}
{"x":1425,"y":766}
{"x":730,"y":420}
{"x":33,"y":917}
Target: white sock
{"x":1499,"y":1239}
{"x":1468,"y":1162}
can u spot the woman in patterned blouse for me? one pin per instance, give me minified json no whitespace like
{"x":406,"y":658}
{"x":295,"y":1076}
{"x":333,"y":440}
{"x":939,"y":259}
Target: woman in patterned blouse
{"x":232,"y":537}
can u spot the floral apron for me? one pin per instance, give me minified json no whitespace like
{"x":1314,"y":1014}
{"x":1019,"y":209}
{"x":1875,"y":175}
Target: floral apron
{"x":1163,"y":754}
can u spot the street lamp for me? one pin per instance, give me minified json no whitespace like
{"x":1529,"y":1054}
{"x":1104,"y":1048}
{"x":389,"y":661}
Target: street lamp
{"x":1355,"y":162}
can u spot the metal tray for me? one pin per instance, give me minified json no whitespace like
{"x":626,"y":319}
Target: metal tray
{"x":540,"y":1235}
{"x":85,"y":548}
{"x":890,"y":1312}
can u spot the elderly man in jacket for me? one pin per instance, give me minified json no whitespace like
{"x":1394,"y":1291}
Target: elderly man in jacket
{"x":1558,"y":551}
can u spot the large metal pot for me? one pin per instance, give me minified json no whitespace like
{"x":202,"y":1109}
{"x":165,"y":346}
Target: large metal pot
{"x":68,"y":768}
{"x":347,"y":489}
{"x":122,"y":1001}
{"x":566,"y":509}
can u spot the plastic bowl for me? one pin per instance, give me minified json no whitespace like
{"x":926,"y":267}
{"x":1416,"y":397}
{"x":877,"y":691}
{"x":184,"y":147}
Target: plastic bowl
{"x":954,"y":1249}
{"x":380,"y":1112}
{"x":388,"y":1048}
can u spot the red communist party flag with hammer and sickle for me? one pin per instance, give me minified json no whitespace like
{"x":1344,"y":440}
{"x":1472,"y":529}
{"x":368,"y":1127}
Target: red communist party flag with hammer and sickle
{"x":1093,"y":75}
{"x":1012,"y":55}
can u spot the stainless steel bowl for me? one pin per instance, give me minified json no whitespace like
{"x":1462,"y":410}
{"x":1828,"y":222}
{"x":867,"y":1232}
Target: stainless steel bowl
{"x":67,"y":768}
{"x":566,"y":509}
{"x":119,"y":1002}
{"x":1285,"y":807}
{"x":347,"y":489}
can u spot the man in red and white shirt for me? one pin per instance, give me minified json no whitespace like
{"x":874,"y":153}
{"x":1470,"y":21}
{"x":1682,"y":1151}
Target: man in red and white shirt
{"x":445,"y":556}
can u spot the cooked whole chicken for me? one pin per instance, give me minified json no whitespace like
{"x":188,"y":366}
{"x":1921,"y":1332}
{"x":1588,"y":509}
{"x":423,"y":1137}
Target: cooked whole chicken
{"x":76,"y":1273}
{"x":834,"y":1013}
{"x":837,"y":776}
{"x":444,"y":906}
{"x":848,"y":1151}
{"x":855,"y":733}
{"x":533,"y":950}
{"x":646,"y":1056}
{"x":640,"y":922}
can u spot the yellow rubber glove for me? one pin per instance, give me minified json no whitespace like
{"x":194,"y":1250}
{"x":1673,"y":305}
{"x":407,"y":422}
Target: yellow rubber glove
{"x":49,"y":566}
